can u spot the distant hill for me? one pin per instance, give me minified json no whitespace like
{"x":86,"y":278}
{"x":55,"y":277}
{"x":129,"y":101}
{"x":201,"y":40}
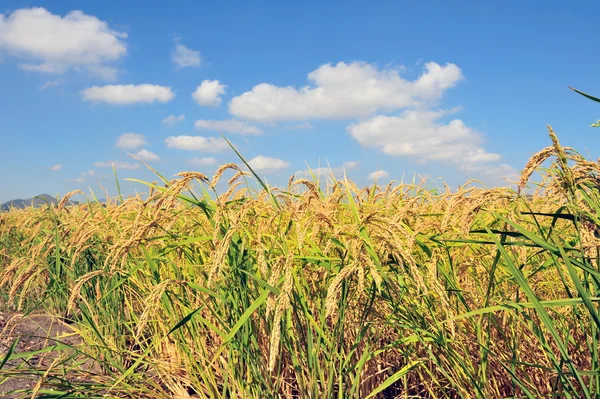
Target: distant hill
{"x":38,"y":200}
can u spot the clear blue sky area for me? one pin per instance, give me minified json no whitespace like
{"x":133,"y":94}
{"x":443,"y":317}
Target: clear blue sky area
{"x":380,"y":89}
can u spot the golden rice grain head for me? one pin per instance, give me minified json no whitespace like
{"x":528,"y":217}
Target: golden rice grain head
{"x":588,"y":167}
{"x":261,"y":258}
{"x":333,"y":291}
{"x":533,"y":164}
{"x":312,"y":188}
{"x":239,"y":194}
{"x":221,"y":253}
{"x":179,"y":185}
{"x":64,"y":200}
{"x":225,"y":196}
{"x":289,"y":204}
{"x":194,"y":175}
{"x":76,"y":291}
{"x":238,"y":175}
{"x":291,"y":182}
{"x":152,"y":189}
{"x":152,"y":303}
{"x":283,"y":303}
{"x":7,"y":275}
{"x":220,"y":172}
{"x":30,"y":271}
{"x":275,"y":338}
{"x":562,"y":158}
{"x":31,"y":283}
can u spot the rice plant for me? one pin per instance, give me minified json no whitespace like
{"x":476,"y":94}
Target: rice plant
{"x":320,"y":289}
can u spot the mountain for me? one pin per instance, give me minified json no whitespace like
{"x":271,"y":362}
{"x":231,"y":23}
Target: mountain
{"x":36,"y":201}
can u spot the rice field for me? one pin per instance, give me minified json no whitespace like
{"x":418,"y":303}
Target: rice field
{"x":320,"y":289}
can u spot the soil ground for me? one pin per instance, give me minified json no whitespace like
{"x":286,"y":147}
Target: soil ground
{"x":34,"y":332}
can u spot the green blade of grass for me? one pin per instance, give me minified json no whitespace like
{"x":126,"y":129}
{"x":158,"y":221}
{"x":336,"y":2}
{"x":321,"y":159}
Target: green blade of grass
{"x":267,"y":189}
{"x":539,"y":308}
{"x":9,"y":352}
{"x":393,"y":378}
{"x":583,"y":294}
{"x":596,"y":99}
{"x":117,"y":182}
{"x":244,"y":318}
{"x":552,"y":303}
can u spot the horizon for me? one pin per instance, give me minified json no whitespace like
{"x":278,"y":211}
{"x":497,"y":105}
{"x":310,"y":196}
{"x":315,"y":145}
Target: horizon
{"x":379,"y":91}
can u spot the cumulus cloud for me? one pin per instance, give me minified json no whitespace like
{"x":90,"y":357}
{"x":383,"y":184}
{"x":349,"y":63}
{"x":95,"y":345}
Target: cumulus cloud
{"x":56,"y":168}
{"x":196,"y":143}
{"x":172,"y":120}
{"x":229,"y":126}
{"x":337,"y":172}
{"x":421,"y":136}
{"x":344,"y":91}
{"x":367,"y":94}
{"x":53,"y":44}
{"x":128,"y":94}
{"x":117,"y":165}
{"x":262,"y":164}
{"x":147,"y":156}
{"x":378,"y":174}
{"x":209,"y":93}
{"x":203,"y":161}
{"x":184,"y":57}
{"x":130,"y":141}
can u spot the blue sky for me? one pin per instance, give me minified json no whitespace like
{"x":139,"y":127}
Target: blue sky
{"x":449,"y":90}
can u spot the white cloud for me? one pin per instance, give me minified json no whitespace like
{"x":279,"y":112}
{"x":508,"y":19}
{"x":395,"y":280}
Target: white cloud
{"x":172,"y":120}
{"x":130,"y":141}
{"x":350,"y":165}
{"x":196,"y":143}
{"x":56,"y":168}
{"x":420,"y":135}
{"x":264,"y":164}
{"x":493,"y":175}
{"x":229,"y":126}
{"x":344,"y":91}
{"x":378,"y":174}
{"x":82,"y":177}
{"x":54,"y":44}
{"x":337,"y":172}
{"x":118,"y":165}
{"x":43,"y":68}
{"x":145,"y":155}
{"x":300,"y":126}
{"x":51,"y":83}
{"x":128,"y":94}
{"x":209,"y":93}
{"x":184,"y":57}
{"x":203,"y":161}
